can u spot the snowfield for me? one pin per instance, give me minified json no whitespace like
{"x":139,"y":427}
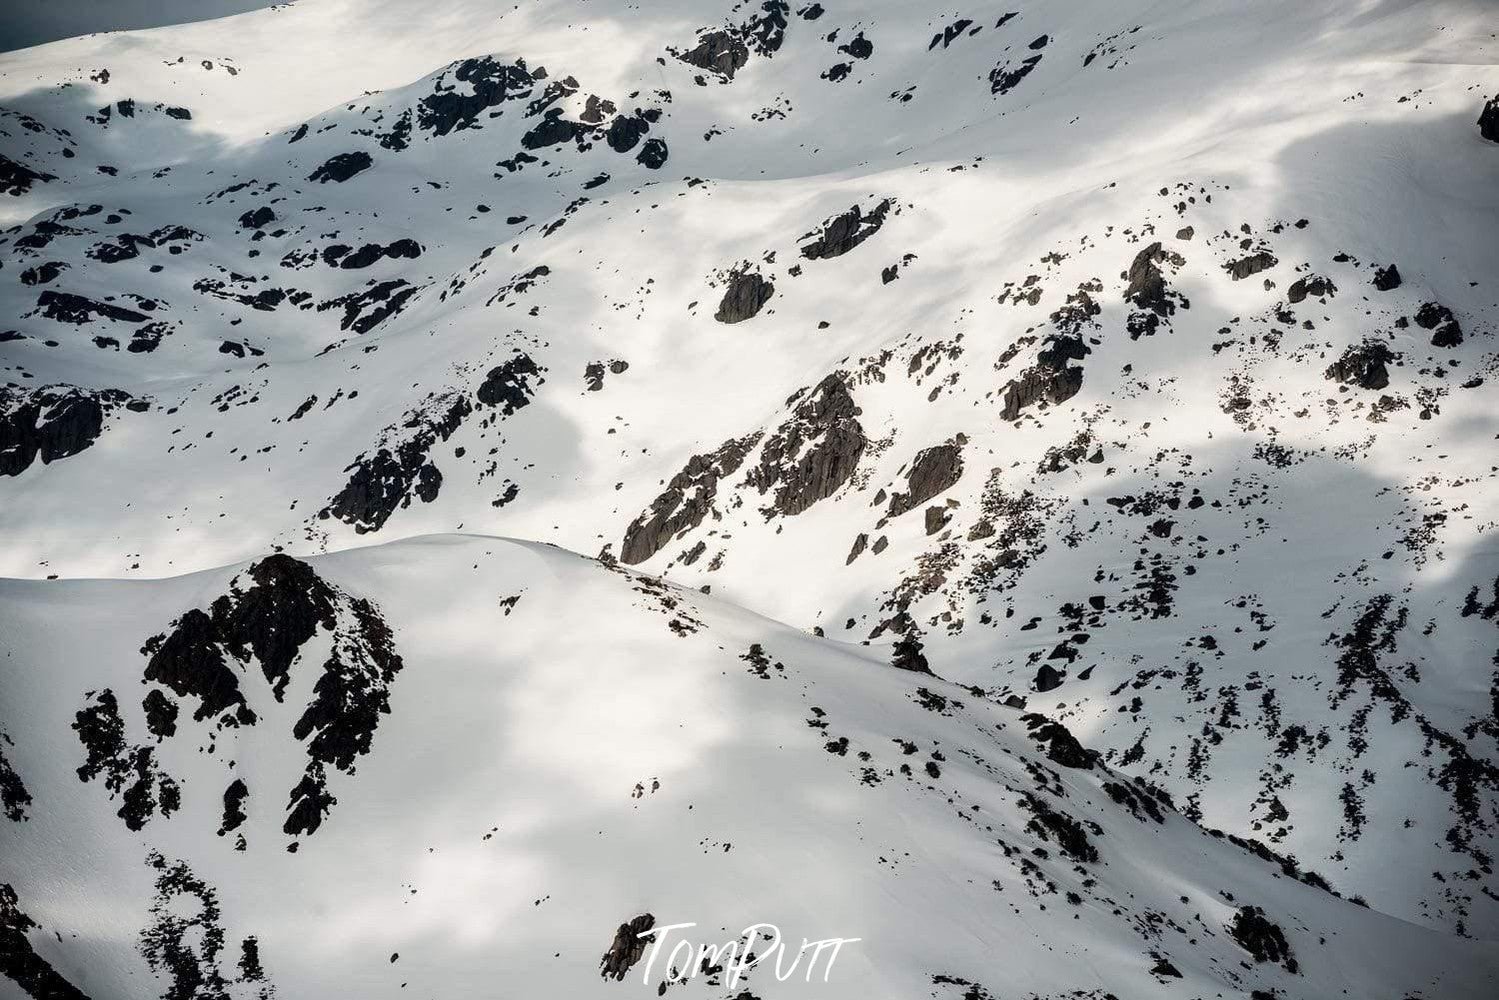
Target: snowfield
{"x":1014,"y":487}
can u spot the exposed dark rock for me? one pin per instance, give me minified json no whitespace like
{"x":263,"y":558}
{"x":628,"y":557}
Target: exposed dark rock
{"x":184,"y":943}
{"x":365,"y":310}
{"x":685,"y":503}
{"x":653,"y":154}
{"x":553,"y":130}
{"x":1007,"y":75}
{"x":1144,"y":801}
{"x":19,"y":961}
{"x":625,"y":131}
{"x":1061,"y":746}
{"x":490,"y":84}
{"x":859,"y":47}
{"x":593,"y":373}
{"x":725,"y":51}
{"x":161,"y":713}
{"x":17,"y":178}
{"x":381,"y":482}
{"x":1387,"y":278}
{"x":814,"y":452}
{"x":1261,"y":938}
{"x":1164,"y":968}
{"x":44,"y":273}
{"x":1363,"y":365}
{"x":842,"y":233}
{"x":1052,"y":380}
{"x":1313,"y":286}
{"x":309,"y":803}
{"x":272,"y":619}
{"x":627,"y":948}
{"x":1048,"y":678}
{"x":860,"y":543}
{"x":1253,"y":264}
{"x":370,"y":253}
{"x":508,"y":386}
{"x":128,"y":771}
{"x":1052,"y":824}
{"x":352,"y":692}
{"x":269,"y":622}
{"x":68,"y":308}
{"x":746,"y":294}
{"x":934,"y":470}
{"x":14,"y":798}
{"x":907,"y":654}
{"x":257,"y":218}
{"x":1488,"y":121}
{"x":234,"y":806}
{"x":342,"y":167}
{"x":1147,"y":283}
{"x":720,"y":52}
{"x":1447,"y":332}
{"x":51,"y":424}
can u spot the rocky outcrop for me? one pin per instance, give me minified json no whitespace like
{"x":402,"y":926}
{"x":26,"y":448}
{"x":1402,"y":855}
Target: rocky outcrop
{"x":627,"y":948}
{"x":1387,"y":279}
{"x":720,"y":52}
{"x":1488,"y":120}
{"x":52,"y":423}
{"x":686,"y":501}
{"x":1446,"y":331}
{"x":1363,"y":365}
{"x":488,"y":84}
{"x":1253,"y":264}
{"x":907,"y":654}
{"x":342,"y":167}
{"x":1260,"y":937}
{"x":593,"y":372}
{"x":1311,"y":286}
{"x":17,"y":178}
{"x":842,"y":233}
{"x":267,"y":617}
{"x":65,"y":307}
{"x":725,"y":51}
{"x":1052,"y":824}
{"x":510,"y":386}
{"x":386,"y":480}
{"x":349,"y":259}
{"x":934,"y":471}
{"x":1052,"y":380}
{"x":1061,"y":746}
{"x":129,"y":772}
{"x":814,"y":452}
{"x":14,"y":798}
{"x":19,"y":961}
{"x":746,"y":295}
{"x":257,"y":218}
{"x":282,"y":608}
{"x":1147,"y":284}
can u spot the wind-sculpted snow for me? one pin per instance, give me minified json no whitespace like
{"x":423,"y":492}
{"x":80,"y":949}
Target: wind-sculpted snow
{"x":1131,"y":366}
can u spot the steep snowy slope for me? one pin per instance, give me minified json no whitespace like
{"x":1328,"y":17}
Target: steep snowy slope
{"x":1134,"y":361}
{"x":454,"y":766}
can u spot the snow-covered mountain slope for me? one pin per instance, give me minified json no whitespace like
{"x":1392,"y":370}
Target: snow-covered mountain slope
{"x":1133,"y":362}
{"x":454,"y":766}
